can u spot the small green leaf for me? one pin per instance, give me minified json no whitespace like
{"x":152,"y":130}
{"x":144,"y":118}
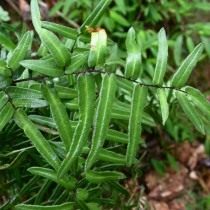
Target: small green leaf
{"x":119,"y":18}
{"x":4,"y":71}
{"x":190,"y":44}
{"x":50,"y":174}
{"x":64,"y":206}
{"x":159,"y":166}
{"x":3,"y":99}
{"x":117,"y":136}
{"x":65,"y":92}
{"x":82,"y":194}
{"x":138,"y":102}
{"x":6,"y":42}
{"x":133,"y":65}
{"x":36,"y":16}
{"x":206,"y":43}
{"x":42,"y":120}
{"x":102,"y":117}
{"x":6,"y":114}
{"x":21,"y":50}
{"x":162,"y":97}
{"x":19,"y":92}
{"x":57,"y":49}
{"x":98,"y":45}
{"x":78,"y":61}
{"x":29,"y":102}
{"x":103,"y":176}
{"x":96,"y":14}
{"x":161,"y":63}
{"x":45,"y":67}
{"x":64,"y":31}
{"x":183,"y":73}
{"x":178,"y":46}
{"x":111,"y":157}
{"x":40,"y":143}
{"x":4,"y":16}
{"x":59,"y":115}
{"x":199,"y":100}
{"x":86,"y":94}
{"x":4,"y":82}
{"x":190,"y":111}
{"x":130,"y":42}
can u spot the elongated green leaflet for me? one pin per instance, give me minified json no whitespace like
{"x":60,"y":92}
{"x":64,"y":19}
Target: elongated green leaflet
{"x":124,"y":115}
{"x":95,"y":15}
{"x":190,"y":111}
{"x":45,"y":67}
{"x":61,"y":30}
{"x":162,"y":57}
{"x":139,"y":98}
{"x":78,"y":61}
{"x":103,"y":176}
{"x":119,"y":19}
{"x":133,"y":66}
{"x":51,"y":175}
{"x":87,"y":96}
{"x":4,"y":71}
{"x":190,"y":43}
{"x":199,"y":100}
{"x":112,"y":157}
{"x":107,"y":156}
{"x":57,"y":49}
{"x":125,"y":85}
{"x":178,"y":50}
{"x":162,"y":97}
{"x":102,"y":117}
{"x":64,"y":206}
{"x":133,"y":60}
{"x":65,"y":92}
{"x":64,"y":31}
{"x":122,"y":111}
{"x":19,"y":92}
{"x":205,"y":41}
{"x":59,"y":115}
{"x":6,"y":42}
{"x":183,"y":73}
{"x":112,"y":135}
{"x":42,"y":120}
{"x":29,"y":102}
{"x":21,"y":50}
{"x":3,"y":99}
{"x":36,"y":16}
{"x":97,"y":48}
{"x":116,"y":136}
{"x":40,"y":143}
{"x":5,"y":115}
{"x":130,"y":41}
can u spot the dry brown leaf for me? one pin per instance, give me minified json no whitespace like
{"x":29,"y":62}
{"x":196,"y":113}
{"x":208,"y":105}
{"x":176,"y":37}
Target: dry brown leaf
{"x":156,"y":205}
{"x":167,"y":187}
{"x":176,"y":205}
{"x":189,"y":154}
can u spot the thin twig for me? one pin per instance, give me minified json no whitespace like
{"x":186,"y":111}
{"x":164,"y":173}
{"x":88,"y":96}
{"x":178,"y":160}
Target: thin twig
{"x":91,"y":70}
{"x":140,"y":83}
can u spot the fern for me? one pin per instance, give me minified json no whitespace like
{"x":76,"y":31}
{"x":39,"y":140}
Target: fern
{"x":76,"y":111}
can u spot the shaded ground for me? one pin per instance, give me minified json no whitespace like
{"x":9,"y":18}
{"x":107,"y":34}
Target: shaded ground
{"x":185,"y":186}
